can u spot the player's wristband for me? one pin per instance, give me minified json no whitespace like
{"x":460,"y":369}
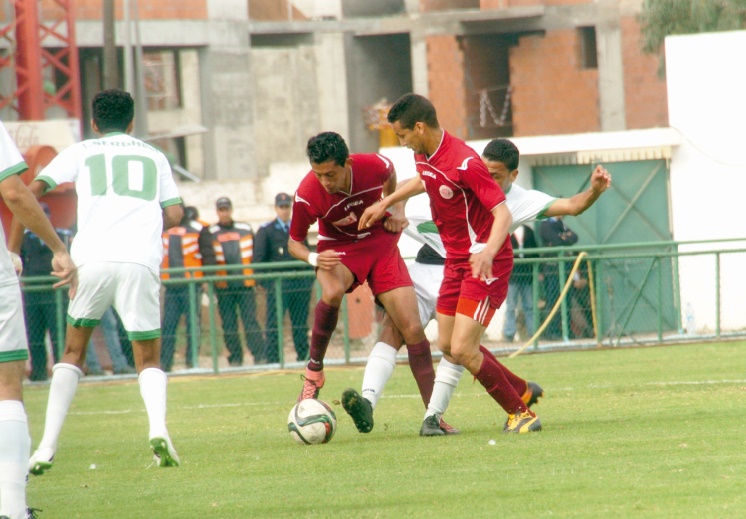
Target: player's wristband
{"x":313,"y":259}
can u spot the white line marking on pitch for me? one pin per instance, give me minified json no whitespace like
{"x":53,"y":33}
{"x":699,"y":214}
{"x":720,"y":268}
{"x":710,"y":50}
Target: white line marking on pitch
{"x":403,"y":396}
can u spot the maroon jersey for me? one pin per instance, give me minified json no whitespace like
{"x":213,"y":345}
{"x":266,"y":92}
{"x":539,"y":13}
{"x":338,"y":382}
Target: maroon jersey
{"x":462,"y":196}
{"x":338,"y":214}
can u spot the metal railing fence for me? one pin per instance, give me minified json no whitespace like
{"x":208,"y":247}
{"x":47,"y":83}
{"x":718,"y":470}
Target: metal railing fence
{"x":643,"y":293}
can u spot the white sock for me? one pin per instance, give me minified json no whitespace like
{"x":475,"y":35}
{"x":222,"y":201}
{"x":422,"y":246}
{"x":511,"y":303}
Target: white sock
{"x":15,"y":447}
{"x":447,"y":376}
{"x":153,"y":383}
{"x":62,"y":390}
{"x":378,"y":371}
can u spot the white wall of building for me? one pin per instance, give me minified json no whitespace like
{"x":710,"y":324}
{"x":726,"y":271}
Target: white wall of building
{"x":706,"y":104}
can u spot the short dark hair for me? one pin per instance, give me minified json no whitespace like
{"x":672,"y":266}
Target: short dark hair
{"x":327,"y":146}
{"x":502,"y":150}
{"x":191,"y":212}
{"x":410,"y":109}
{"x":113,"y":110}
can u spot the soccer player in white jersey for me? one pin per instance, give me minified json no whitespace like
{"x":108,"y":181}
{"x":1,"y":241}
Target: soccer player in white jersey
{"x":15,"y":443}
{"x":501,"y":157}
{"x":126,"y":198}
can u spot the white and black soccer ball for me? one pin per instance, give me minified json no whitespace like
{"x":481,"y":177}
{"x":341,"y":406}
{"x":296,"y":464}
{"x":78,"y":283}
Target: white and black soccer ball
{"x":311,"y":422}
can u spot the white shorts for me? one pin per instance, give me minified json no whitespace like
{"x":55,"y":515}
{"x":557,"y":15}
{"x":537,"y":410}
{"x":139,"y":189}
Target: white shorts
{"x":133,"y":290}
{"x":13,"y":343}
{"x":427,"y":280}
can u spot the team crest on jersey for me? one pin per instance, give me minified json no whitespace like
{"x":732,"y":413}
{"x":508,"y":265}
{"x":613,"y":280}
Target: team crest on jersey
{"x":347,"y":220}
{"x":446,"y":192}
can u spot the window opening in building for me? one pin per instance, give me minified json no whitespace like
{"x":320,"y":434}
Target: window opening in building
{"x":588,"y":50}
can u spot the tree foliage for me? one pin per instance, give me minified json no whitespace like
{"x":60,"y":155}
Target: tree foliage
{"x":661,"y":18}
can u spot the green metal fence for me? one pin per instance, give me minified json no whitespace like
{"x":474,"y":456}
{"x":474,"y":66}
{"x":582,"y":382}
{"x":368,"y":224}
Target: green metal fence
{"x":644,"y":293}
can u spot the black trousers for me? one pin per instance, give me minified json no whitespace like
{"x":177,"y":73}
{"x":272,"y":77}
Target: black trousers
{"x":235,"y":303}
{"x":41,"y":317}
{"x":296,"y":300}
{"x":176,"y":304}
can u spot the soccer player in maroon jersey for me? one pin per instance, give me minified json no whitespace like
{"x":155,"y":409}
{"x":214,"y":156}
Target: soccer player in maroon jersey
{"x":473,"y":220}
{"x":336,"y":191}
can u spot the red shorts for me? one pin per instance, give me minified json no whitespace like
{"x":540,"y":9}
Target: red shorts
{"x":463,"y":294}
{"x":375,"y":259}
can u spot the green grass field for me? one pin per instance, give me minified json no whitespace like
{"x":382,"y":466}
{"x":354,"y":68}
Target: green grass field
{"x":649,"y":432}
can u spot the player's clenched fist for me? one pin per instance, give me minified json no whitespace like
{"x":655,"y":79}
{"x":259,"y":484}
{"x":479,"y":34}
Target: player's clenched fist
{"x":327,"y":260}
{"x":600,"y":179}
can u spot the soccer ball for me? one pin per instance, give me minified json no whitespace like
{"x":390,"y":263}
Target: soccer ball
{"x":311,"y":422}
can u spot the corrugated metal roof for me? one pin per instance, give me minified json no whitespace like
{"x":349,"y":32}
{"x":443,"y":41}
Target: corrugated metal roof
{"x":589,"y":148}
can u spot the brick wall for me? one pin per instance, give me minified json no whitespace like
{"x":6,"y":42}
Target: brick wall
{"x":551,"y":93}
{"x":446,"y":83}
{"x":645,"y":93}
{"x":147,"y":9}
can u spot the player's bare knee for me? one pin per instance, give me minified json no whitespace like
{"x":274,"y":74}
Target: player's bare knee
{"x":413,"y":333}
{"x":467,"y":358}
{"x":445,"y":347}
{"x":390,"y":335}
{"x":332,"y":296}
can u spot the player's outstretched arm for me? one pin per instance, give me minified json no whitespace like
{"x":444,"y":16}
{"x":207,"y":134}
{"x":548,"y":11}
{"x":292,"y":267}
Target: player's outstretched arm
{"x":575,"y":205}
{"x":378,"y":210}
{"x":28,"y":213}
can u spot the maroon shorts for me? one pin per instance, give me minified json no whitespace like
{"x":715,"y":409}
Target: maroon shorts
{"x":475,"y":298}
{"x":376,"y":260}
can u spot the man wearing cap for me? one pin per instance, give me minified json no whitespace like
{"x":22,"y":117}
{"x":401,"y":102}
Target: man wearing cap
{"x":186,"y":245}
{"x":234,"y":245}
{"x":271,"y":245}
{"x":39,"y":306}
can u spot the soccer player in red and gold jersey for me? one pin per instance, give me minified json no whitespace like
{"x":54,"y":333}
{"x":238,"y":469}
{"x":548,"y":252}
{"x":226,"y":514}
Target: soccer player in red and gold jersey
{"x":339,"y":187}
{"x":473,"y":220}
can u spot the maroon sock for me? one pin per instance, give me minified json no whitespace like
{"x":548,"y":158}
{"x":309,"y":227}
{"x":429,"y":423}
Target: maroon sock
{"x":492,"y":378}
{"x":514,"y":380}
{"x":324,"y":323}
{"x":421,"y":364}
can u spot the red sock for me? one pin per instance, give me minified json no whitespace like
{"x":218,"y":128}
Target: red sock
{"x":514,"y":380}
{"x":492,"y":378}
{"x":324,"y":323}
{"x":421,"y":364}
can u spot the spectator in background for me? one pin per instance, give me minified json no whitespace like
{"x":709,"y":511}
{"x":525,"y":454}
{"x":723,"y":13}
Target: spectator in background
{"x":234,"y":245}
{"x":119,"y":363}
{"x":521,"y":284}
{"x":581,"y":315}
{"x":188,"y":245}
{"x":271,"y":245}
{"x":554,"y":233}
{"x":40,"y":307}
{"x":193,"y":214}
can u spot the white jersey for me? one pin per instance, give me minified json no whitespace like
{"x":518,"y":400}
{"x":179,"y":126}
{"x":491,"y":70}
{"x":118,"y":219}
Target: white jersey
{"x":122,"y":185}
{"x":526,"y":205}
{"x":11,"y":163}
